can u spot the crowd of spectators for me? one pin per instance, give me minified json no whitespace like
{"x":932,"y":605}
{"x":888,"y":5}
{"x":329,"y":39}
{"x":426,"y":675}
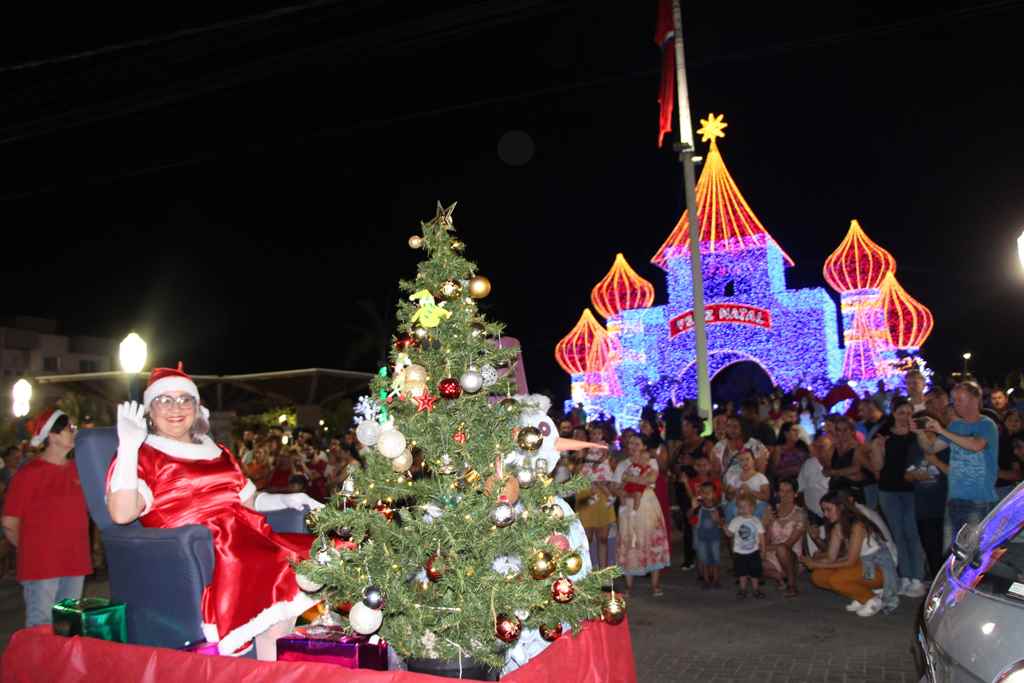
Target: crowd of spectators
{"x":864,"y":498}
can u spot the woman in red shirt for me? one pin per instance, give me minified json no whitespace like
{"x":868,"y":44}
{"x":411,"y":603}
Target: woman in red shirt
{"x":45,"y":518}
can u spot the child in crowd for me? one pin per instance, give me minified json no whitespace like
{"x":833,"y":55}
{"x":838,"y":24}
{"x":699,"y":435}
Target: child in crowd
{"x":633,"y":492}
{"x":747,"y":534}
{"x":706,"y":521}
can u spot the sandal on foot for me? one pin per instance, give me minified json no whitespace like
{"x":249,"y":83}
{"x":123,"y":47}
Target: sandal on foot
{"x":758,"y":594}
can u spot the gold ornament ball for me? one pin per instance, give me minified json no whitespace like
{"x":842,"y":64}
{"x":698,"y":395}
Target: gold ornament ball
{"x":421,"y":333}
{"x":312,"y":518}
{"x":403,"y":462}
{"x":477,"y":330}
{"x":509,"y":404}
{"x":416,"y":374}
{"x":541,"y":565}
{"x":553,"y":511}
{"x":613,"y":611}
{"x":457,"y":245}
{"x":529,"y":439}
{"x":479,"y":287}
{"x":573,"y":563}
{"x":415,"y":242}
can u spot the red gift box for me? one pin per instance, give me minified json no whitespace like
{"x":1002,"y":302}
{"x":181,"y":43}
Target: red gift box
{"x":331,"y":645}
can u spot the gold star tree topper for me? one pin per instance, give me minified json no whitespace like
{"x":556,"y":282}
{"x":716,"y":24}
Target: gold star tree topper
{"x":712,"y":127}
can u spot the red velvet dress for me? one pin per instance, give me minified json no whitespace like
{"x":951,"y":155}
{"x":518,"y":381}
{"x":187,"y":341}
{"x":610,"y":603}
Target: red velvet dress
{"x":253,"y":583}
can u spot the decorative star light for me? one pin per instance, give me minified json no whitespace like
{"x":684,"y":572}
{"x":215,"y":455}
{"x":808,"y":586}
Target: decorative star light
{"x":425,"y":402}
{"x":712,"y":127}
{"x":444,"y":215}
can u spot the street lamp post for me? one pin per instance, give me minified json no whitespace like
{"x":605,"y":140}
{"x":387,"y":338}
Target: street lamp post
{"x":22,"y":395}
{"x":132,"y":354}
{"x":967,"y":357}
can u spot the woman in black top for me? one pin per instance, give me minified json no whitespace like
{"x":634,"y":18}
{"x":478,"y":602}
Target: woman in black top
{"x":893,"y":449}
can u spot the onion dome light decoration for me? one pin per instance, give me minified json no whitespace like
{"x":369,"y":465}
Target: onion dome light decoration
{"x":572,"y":350}
{"x":857,"y":263}
{"x":908,"y":320}
{"x":621,"y":289}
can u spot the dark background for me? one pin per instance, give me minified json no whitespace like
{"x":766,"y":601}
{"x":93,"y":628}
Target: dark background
{"x":239,"y":187}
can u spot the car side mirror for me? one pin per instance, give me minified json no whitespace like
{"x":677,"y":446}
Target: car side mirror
{"x":965,"y":545}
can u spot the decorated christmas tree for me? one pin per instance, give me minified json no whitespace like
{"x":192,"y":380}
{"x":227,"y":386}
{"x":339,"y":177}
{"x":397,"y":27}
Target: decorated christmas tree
{"x":453,"y":541}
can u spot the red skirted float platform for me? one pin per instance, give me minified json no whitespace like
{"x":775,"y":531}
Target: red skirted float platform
{"x":599,"y":653}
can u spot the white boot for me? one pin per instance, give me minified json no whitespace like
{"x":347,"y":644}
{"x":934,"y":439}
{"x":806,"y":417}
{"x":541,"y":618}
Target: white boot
{"x":854,"y":606}
{"x":870,"y":608}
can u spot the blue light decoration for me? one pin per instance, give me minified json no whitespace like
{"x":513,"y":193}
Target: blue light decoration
{"x":649,"y":352}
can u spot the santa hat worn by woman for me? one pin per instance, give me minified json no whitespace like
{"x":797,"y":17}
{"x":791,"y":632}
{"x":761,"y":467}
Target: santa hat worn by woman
{"x":162,"y":380}
{"x":41,"y":426}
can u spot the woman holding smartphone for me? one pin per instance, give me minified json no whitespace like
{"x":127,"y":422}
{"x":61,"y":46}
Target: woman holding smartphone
{"x":892,"y":449}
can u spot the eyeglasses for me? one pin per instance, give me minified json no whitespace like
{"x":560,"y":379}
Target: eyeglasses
{"x":166,"y":402}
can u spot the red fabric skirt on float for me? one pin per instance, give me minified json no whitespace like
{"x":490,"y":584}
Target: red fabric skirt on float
{"x":600,"y":653}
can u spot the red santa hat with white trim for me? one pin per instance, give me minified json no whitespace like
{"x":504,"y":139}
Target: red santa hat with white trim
{"x":41,"y":426}
{"x":162,"y":380}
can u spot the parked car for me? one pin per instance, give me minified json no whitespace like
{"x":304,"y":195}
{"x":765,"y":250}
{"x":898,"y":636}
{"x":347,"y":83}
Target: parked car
{"x":971,"y":624}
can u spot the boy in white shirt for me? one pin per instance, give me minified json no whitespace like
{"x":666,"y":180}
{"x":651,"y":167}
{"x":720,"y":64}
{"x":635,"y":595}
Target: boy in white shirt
{"x":748,"y":548}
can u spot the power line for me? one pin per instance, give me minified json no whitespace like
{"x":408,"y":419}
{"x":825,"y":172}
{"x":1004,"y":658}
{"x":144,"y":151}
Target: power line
{"x":780,"y":48}
{"x":167,"y":37}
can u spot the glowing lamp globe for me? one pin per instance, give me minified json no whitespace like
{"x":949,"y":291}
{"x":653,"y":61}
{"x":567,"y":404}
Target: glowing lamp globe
{"x":22,"y":395}
{"x":857,"y":263}
{"x":132,"y":354}
{"x":909,"y":322}
{"x":621,"y":289}
{"x":1020,"y":249}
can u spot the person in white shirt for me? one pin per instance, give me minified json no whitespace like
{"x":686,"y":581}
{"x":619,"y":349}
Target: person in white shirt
{"x":812,"y":482}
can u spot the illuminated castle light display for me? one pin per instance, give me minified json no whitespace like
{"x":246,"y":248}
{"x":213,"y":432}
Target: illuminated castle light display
{"x":884,"y":326}
{"x":647,"y":352}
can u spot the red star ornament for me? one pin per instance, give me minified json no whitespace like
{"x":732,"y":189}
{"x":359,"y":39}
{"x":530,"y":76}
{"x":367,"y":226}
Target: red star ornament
{"x":459,"y":436}
{"x":425,"y":402}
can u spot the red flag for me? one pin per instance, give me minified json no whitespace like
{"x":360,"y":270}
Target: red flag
{"x":664,"y":36}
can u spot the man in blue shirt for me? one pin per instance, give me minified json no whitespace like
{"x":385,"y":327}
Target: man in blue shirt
{"x":973,"y":442}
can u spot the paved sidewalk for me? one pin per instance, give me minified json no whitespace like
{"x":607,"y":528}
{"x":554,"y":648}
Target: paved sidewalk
{"x":711,"y":636}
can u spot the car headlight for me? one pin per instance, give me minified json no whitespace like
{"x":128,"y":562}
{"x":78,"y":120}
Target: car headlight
{"x":1015,"y":674}
{"x":933,"y":602}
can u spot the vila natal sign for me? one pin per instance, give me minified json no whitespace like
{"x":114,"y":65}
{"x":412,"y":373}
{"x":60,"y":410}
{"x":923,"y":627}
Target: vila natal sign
{"x":739,"y":314}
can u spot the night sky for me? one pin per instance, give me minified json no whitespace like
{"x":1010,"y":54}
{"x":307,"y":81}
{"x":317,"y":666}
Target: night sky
{"x":240,"y":188}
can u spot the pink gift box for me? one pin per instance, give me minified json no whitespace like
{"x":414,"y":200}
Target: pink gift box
{"x":331,"y":645}
{"x":201,"y":648}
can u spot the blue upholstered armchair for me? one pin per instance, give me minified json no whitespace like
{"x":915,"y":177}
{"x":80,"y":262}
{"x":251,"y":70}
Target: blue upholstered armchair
{"x":158,"y":573}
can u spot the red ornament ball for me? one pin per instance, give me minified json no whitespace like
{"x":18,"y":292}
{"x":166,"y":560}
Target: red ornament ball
{"x":343,"y":607}
{"x":562,"y":590}
{"x":550,"y":634}
{"x":449,"y":388}
{"x":507,"y":627}
{"x":559,"y":541}
{"x":404,"y":342}
{"x":385,"y":510}
{"x":344,"y":544}
{"x":435,"y":568}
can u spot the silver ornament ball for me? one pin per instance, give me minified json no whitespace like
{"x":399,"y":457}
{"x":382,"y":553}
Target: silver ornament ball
{"x":503,"y":515}
{"x":373,"y":597}
{"x":471,"y":381}
{"x":525,"y":477}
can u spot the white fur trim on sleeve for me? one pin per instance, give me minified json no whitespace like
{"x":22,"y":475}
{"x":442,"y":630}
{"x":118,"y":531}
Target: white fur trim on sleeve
{"x":144,"y":491}
{"x":248,"y":491}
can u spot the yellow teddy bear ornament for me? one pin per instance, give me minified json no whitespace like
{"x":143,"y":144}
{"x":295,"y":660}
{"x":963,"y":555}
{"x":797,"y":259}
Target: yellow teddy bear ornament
{"x":429,"y":314}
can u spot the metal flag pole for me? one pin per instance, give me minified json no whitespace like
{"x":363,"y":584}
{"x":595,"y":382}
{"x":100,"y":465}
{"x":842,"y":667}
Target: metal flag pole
{"x":686,"y":151}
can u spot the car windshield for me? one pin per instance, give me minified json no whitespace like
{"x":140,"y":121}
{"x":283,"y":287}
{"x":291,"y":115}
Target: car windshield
{"x":998,"y":568}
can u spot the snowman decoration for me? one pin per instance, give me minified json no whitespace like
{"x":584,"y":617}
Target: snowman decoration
{"x":540,"y":448}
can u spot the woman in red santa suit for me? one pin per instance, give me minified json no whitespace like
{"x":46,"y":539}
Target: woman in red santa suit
{"x":169,"y":473}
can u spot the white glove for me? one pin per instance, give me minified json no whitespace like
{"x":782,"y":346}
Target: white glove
{"x":131,"y":433}
{"x":268,"y":502}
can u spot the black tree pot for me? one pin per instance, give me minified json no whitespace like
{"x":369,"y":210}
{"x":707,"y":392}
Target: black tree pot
{"x":450,"y":668}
